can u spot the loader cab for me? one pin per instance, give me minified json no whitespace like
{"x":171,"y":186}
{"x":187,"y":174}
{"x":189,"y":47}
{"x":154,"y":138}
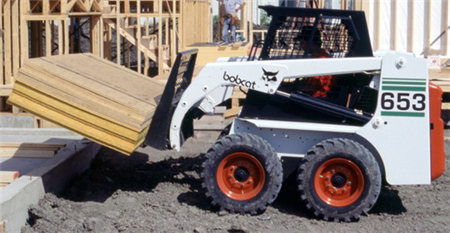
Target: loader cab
{"x":297,"y":33}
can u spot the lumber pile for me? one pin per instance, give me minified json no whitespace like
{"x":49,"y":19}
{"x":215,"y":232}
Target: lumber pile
{"x":93,"y":97}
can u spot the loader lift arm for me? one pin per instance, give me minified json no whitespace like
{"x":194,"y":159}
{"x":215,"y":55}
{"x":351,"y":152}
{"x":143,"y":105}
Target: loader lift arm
{"x":183,"y":101}
{"x":179,"y":79}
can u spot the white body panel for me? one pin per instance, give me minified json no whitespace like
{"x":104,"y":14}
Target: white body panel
{"x":402,"y":136}
{"x":398,"y":131}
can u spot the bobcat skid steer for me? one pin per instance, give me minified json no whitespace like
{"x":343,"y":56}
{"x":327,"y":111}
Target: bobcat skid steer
{"x":320,"y":105}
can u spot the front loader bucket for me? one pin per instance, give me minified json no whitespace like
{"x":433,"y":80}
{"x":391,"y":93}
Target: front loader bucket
{"x":179,"y":79}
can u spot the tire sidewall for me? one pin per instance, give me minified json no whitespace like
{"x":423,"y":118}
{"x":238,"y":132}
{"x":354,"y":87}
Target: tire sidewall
{"x":361,"y":157}
{"x":265,"y":154}
{"x":345,"y":209}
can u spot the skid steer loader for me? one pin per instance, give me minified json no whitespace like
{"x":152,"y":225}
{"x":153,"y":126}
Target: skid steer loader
{"x":320,"y":105}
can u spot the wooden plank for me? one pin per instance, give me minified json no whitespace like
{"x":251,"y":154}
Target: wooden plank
{"x":393,"y":25}
{"x":113,"y":108}
{"x":1,"y":42}
{"x":7,"y":41}
{"x":24,"y":9}
{"x":94,"y":130}
{"x":410,"y":27}
{"x":79,"y":97}
{"x":48,"y":38}
{"x":8,"y":176}
{"x":445,"y":16}
{"x":63,"y":109}
{"x":66,"y":36}
{"x":15,"y":17}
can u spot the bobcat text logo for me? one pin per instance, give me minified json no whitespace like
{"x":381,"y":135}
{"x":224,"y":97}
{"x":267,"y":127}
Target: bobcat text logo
{"x":269,"y":76}
{"x":238,"y":81}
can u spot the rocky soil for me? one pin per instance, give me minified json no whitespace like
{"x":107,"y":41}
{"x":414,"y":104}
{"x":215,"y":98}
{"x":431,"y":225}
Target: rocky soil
{"x":153,"y":191}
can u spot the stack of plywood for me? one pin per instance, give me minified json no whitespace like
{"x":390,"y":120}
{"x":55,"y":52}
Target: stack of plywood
{"x":98,"y":99}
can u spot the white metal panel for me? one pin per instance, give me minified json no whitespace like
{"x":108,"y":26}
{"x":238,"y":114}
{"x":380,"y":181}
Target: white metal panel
{"x":303,"y":126}
{"x":287,"y":142}
{"x":399,"y":129}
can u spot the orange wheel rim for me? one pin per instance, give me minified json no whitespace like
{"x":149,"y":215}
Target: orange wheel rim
{"x":339,"y":182}
{"x":240,"y":176}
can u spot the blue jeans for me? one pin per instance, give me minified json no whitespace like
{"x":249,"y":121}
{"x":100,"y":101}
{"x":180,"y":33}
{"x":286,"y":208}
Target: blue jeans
{"x":226,"y":27}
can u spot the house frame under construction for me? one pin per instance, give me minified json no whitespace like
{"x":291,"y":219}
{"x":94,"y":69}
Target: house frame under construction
{"x":145,"y":35}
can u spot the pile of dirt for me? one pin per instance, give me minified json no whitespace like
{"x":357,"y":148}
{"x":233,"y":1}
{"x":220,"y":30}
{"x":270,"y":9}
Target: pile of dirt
{"x":153,"y":191}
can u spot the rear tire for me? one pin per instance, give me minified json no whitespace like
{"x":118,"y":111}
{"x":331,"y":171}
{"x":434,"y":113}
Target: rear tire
{"x":339,"y":179}
{"x":242,"y":174}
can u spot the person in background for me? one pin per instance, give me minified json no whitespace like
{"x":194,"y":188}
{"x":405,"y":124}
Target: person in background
{"x":230,"y":18}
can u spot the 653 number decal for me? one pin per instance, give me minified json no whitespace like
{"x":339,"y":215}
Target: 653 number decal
{"x":403,"y":101}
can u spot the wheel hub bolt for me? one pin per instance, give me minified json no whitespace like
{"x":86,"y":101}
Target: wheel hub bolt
{"x":349,"y":183}
{"x":249,"y":182}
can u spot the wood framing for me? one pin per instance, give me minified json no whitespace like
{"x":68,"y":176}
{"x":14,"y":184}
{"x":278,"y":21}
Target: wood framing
{"x":145,"y":35}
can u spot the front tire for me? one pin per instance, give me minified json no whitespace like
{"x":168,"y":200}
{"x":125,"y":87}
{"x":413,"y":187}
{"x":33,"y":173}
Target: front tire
{"x":339,"y":179}
{"x":242,"y":174}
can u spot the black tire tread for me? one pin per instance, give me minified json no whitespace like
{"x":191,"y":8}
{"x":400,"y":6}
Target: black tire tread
{"x":326,"y":147}
{"x":272,"y":167}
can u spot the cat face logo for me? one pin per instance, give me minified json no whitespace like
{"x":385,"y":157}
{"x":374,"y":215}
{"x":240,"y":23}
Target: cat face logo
{"x":269,"y":76}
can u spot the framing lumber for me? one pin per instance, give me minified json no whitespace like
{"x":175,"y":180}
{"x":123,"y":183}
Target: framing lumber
{"x":1,"y":43}
{"x":113,"y":108}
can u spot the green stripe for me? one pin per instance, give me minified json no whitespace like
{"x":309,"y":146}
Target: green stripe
{"x":405,"y":83}
{"x":406,"y":79}
{"x":407,"y":114}
{"x":402,"y":88}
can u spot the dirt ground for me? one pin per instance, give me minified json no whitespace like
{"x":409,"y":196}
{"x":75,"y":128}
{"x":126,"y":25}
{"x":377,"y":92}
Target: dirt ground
{"x":153,"y":191}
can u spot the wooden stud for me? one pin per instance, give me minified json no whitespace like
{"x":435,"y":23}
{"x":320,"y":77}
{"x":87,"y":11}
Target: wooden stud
{"x":427,"y":28}
{"x":118,"y":28}
{"x":445,"y":40}
{"x":410,"y":27}
{"x":138,"y":37}
{"x":393,"y":25}
{"x":1,"y":43}
{"x":15,"y":17}
{"x":377,"y":25}
{"x":48,"y":38}
{"x":7,"y":37}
